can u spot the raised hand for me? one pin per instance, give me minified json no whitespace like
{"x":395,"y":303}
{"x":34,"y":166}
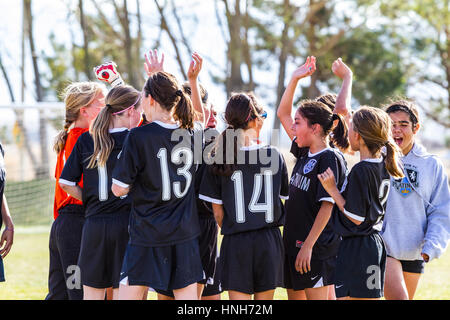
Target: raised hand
{"x":107,"y":72}
{"x":195,"y":67}
{"x":340,"y":69}
{"x":152,"y":64}
{"x":307,"y":69}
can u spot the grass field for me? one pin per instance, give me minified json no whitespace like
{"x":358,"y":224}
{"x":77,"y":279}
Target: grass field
{"x":26,"y":271}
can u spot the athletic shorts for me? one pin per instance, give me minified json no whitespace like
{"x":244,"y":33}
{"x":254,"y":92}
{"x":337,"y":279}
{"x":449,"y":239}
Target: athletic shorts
{"x":361,"y":266}
{"x":321,"y":274}
{"x":208,"y":251}
{"x":103,"y":245}
{"x":412,"y":266}
{"x":162,"y":268}
{"x":252,"y":262}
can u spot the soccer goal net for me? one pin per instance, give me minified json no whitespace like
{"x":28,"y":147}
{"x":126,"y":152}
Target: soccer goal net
{"x":27,"y":133}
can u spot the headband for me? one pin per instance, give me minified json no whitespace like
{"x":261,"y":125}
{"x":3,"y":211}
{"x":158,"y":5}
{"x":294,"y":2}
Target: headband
{"x":127,"y":108}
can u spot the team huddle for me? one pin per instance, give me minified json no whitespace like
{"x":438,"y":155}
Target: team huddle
{"x":145,"y":182}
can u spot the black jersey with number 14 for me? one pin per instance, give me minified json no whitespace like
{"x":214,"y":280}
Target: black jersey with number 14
{"x":251,"y":196}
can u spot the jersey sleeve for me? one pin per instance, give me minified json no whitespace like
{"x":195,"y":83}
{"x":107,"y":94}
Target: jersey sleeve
{"x":73,"y":168}
{"x":327,"y":161}
{"x":357,"y":200}
{"x":128,"y":163}
{"x":284,"y":192}
{"x":210,"y":189}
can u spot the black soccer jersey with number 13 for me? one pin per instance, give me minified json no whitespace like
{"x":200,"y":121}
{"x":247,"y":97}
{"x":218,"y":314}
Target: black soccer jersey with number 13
{"x":251,"y":196}
{"x":365,"y":193}
{"x":157,"y":163}
{"x":306,"y":195}
{"x":97,"y":195}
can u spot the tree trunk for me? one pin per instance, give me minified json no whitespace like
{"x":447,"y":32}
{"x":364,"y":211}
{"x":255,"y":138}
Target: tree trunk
{"x":43,"y":170}
{"x":84,"y":29}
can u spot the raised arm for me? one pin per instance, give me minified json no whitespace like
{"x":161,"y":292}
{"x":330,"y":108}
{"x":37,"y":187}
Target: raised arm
{"x":343,"y":100}
{"x":284,"y":111}
{"x":194,"y":69}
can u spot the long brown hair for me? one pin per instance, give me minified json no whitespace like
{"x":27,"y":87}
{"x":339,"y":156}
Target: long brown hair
{"x":165,"y":89}
{"x":240,"y":110}
{"x":118,"y":99}
{"x":76,"y":96}
{"x":374,"y":127}
{"x":316,"y":112}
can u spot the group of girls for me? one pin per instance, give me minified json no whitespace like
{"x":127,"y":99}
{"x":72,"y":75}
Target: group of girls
{"x":136,"y":208}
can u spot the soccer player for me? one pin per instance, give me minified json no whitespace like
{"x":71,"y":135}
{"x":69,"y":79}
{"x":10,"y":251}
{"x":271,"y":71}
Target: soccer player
{"x":83,"y":101}
{"x":416,"y":227}
{"x":359,"y":211}
{"x":208,"y":225}
{"x":311,"y":244}
{"x":156,"y":168}
{"x":246,"y":200}
{"x":105,"y":231}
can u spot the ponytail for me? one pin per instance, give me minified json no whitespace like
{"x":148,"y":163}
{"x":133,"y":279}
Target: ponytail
{"x":340,"y":133}
{"x":391,"y":160}
{"x":103,"y":142}
{"x":61,"y":138}
{"x":184,"y":111}
{"x":118,"y":100}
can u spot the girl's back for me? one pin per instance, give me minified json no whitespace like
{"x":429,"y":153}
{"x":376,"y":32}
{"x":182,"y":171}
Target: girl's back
{"x":163,"y":195}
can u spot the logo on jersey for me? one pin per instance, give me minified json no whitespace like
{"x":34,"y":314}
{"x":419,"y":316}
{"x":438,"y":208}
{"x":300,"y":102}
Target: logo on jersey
{"x":309,"y":166}
{"x":404,"y":185}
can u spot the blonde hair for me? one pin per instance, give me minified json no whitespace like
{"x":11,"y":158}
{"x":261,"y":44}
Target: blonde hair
{"x":118,"y":99}
{"x":374,"y":127}
{"x":76,"y":95}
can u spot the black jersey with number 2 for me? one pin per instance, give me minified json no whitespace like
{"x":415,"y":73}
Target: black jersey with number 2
{"x":157,"y":163}
{"x":306,"y":195}
{"x":251,"y":196}
{"x":97,"y":195}
{"x":365,"y":194}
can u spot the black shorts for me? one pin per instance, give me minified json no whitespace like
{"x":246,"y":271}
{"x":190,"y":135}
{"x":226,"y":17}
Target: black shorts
{"x":361,"y":267}
{"x":321,"y":274}
{"x":103,"y":245}
{"x":252,"y":261}
{"x":208,"y":251}
{"x":412,"y":266}
{"x":162,"y":268}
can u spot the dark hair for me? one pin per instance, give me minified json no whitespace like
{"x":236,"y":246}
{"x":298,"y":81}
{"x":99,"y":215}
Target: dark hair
{"x":316,"y":112}
{"x":203,"y":91}
{"x":164,"y":89}
{"x":240,"y":110}
{"x":329,"y":99}
{"x":374,"y":127}
{"x":118,"y":99}
{"x":406,"y":106}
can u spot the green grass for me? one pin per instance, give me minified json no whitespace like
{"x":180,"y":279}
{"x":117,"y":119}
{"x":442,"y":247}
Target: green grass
{"x":26,"y":271}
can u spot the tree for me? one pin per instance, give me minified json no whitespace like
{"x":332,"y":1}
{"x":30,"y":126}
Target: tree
{"x":429,"y":21}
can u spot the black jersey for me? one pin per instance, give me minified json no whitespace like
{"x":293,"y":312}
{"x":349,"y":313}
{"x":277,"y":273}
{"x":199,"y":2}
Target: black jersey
{"x":365,"y":194}
{"x":306,"y":194}
{"x":251,"y":196}
{"x":97,"y":196}
{"x":157,"y":163}
{"x":204,"y":207}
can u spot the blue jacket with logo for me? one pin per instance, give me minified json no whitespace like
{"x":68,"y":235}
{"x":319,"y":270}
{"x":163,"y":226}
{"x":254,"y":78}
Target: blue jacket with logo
{"x":417,"y":216}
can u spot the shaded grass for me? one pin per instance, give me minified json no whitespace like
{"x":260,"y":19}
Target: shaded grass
{"x":26,"y":271}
